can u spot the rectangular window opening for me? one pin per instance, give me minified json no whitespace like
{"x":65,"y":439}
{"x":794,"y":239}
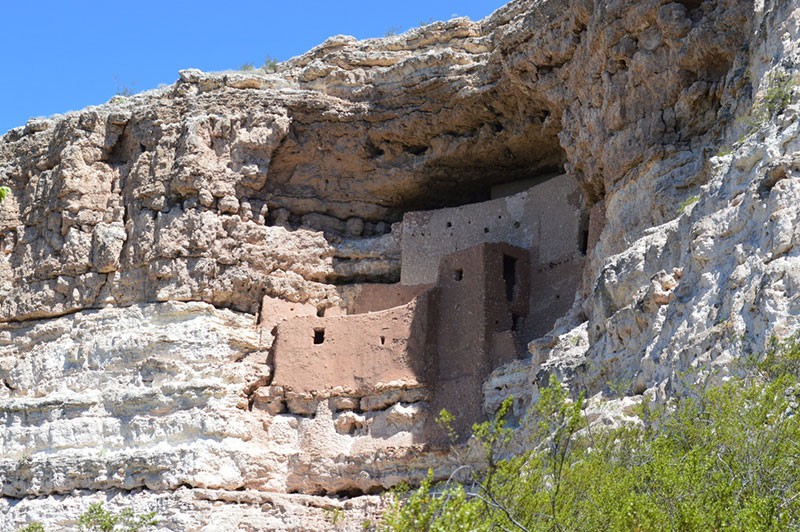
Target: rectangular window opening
{"x":584,"y":244}
{"x":319,"y":335}
{"x":458,"y":274}
{"x":510,"y":276}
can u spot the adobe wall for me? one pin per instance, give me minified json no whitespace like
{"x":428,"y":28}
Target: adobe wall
{"x":482,"y":280}
{"x":448,"y":339}
{"x":480,"y":303}
{"x":553,"y":289}
{"x":372,"y":297}
{"x":546,"y":217}
{"x":275,"y":310}
{"x":355,"y":353}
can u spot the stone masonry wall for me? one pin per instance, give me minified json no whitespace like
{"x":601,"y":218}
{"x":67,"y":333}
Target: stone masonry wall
{"x":546,"y":218}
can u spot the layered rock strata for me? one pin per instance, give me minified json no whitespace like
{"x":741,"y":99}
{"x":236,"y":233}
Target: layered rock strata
{"x":147,"y":241}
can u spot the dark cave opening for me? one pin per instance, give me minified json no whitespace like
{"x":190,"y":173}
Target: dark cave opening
{"x":379,"y":168}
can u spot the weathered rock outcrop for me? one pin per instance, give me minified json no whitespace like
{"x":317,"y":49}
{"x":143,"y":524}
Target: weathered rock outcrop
{"x":143,"y":236}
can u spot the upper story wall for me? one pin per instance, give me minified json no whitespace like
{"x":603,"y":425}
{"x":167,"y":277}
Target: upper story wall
{"x":372,"y":297}
{"x":545,"y":219}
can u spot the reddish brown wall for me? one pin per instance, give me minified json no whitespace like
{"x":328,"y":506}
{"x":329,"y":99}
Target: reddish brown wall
{"x":274,"y":311}
{"x":450,"y":337}
{"x":372,"y":297}
{"x":458,"y":330}
{"x":357,"y":352}
{"x":474,"y":332}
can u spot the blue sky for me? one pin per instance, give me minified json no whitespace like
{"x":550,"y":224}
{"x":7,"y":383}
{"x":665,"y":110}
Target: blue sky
{"x":62,"y":55}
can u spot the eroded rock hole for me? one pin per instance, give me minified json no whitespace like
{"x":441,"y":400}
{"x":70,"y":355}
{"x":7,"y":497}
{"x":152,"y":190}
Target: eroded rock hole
{"x":458,"y":275}
{"x":118,"y":157}
{"x":373,"y":151}
{"x":119,"y":153}
{"x":347,"y":493}
{"x":690,"y":4}
{"x":415,"y":150}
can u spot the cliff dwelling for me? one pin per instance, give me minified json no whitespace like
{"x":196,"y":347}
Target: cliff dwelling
{"x":247,"y":285}
{"x":477,"y":283}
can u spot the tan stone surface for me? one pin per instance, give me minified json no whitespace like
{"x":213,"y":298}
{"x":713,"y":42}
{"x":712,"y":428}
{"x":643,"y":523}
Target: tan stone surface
{"x":226,"y":187}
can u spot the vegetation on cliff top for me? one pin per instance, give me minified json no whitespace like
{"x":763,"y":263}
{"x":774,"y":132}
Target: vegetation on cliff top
{"x":720,"y":458}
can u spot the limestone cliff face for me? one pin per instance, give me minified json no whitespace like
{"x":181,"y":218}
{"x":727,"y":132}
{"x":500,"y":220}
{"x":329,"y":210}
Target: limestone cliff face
{"x":144,"y":234}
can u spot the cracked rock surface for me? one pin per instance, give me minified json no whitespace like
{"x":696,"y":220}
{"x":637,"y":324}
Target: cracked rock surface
{"x":142,"y":236}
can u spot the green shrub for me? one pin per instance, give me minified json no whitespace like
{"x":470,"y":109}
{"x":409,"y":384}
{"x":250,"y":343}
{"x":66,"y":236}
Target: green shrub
{"x":98,"y":519}
{"x":775,"y":99}
{"x":688,"y":202}
{"x":247,"y":67}
{"x":782,"y":360}
{"x":334,"y":515}
{"x":724,"y":151}
{"x":270,"y":64}
{"x":33,"y":527}
{"x":721,"y":458}
{"x":778,"y":94}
